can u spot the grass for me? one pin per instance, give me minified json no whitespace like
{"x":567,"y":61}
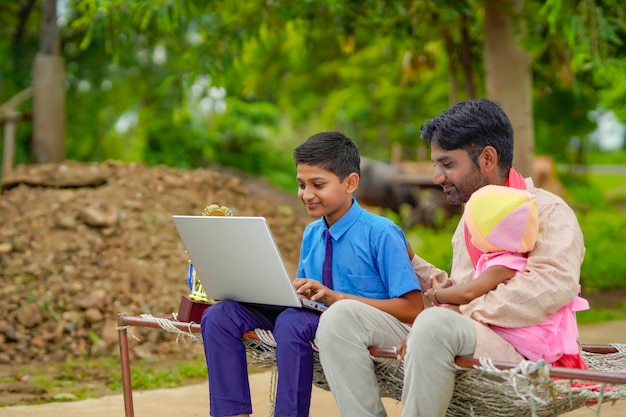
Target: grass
{"x":616,"y":157}
{"x":598,"y":315}
{"x":146,"y":375}
{"x":83,"y":379}
{"x":69,"y":381}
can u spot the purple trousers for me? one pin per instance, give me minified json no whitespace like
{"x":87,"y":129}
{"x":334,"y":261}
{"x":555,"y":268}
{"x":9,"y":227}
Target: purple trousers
{"x":224,"y":323}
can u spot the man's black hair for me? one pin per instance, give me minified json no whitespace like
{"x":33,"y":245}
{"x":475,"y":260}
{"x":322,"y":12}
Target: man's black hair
{"x":332,"y":151}
{"x":472,"y":125}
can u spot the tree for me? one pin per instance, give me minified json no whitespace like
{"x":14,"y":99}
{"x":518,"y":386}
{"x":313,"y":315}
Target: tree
{"x":508,"y":74}
{"x":49,"y":91}
{"x":375,"y":69}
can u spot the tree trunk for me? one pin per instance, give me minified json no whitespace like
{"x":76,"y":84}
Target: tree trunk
{"x":466,"y":58}
{"x":49,"y":92}
{"x":508,"y":75}
{"x":453,"y":97}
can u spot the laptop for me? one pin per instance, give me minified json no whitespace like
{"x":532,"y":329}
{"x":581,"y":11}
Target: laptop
{"x":236,"y":258}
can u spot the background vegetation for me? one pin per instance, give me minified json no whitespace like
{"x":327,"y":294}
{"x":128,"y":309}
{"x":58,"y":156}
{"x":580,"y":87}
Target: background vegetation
{"x":190,"y":83}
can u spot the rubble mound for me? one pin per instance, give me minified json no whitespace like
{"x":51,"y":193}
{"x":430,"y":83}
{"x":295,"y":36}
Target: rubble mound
{"x":82,"y":242}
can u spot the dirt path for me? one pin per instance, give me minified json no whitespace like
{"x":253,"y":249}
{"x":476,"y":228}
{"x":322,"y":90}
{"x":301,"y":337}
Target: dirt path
{"x":192,"y":401}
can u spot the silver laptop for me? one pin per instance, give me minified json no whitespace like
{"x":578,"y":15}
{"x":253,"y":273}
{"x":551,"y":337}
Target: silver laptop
{"x":236,"y":258}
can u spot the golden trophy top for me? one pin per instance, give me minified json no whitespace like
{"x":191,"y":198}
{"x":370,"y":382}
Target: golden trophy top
{"x":197,"y":291}
{"x":216,"y":210}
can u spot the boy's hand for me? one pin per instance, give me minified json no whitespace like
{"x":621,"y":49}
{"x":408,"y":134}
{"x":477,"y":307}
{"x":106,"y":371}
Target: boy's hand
{"x":315,"y":291}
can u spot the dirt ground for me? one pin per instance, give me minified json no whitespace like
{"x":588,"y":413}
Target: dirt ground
{"x":80,"y":243}
{"x":191,"y":401}
{"x":83,"y":242}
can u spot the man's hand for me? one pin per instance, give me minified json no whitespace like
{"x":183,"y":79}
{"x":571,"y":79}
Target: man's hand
{"x":430,"y":294}
{"x":316,"y":291}
{"x":401,"y":350}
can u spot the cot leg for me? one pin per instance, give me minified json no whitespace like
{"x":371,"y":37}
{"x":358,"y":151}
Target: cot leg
{"x":127,"y":388}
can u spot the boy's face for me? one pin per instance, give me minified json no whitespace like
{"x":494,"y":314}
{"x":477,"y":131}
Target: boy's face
{"x":456,"y":173}
{"x":323,"y":194}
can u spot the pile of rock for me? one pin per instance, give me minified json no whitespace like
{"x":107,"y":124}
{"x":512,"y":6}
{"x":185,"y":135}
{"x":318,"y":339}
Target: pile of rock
{"x":80,"y":243}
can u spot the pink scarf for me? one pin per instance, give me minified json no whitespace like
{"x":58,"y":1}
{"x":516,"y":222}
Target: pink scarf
{"x":515,"y":180}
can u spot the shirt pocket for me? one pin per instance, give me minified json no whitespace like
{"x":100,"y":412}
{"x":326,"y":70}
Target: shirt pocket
{"x":368,"y":286}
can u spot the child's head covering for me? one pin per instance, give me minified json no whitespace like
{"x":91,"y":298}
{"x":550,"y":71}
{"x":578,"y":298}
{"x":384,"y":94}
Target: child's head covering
{"x":502,"y":218}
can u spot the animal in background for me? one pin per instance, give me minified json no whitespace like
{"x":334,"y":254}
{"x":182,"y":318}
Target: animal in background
{"x":378,"y":186}
{"x":545,"y":175}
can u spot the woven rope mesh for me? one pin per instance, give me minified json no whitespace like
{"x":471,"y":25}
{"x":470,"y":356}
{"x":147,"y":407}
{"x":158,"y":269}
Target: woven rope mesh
{"x":488,"y":391}
{"x":483,"y":392}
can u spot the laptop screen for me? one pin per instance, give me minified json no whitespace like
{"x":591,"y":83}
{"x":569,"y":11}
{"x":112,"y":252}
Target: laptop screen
{"x":237,"y":258}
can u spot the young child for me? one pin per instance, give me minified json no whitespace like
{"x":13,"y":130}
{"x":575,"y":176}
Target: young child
{"x":502,"y":222}
{"x":369,"y":263}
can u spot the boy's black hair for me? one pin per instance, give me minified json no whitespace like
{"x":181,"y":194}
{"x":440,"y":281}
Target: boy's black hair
{"x":472,"y":125}
{"x":332,"y":151}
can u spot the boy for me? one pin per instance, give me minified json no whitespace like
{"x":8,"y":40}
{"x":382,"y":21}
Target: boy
{"x":369,"y":264}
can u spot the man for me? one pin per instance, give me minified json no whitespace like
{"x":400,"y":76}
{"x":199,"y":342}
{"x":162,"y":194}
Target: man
{"x":471,"y":146}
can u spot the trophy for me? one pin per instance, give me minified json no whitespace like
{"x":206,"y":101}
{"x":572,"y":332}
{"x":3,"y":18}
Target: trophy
{"x":193,"y":305}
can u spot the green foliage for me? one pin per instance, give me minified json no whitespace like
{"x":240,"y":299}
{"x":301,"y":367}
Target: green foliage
{"x":603,"y":267}
{"x":589,"y":34}
{"x":596,"y":315}
{"x":603,"y":223}
{"x":375,"y":70}
{"x":583,"y":195}
{"x":608,"y":158}
{"x":613,"y":90}
{"x":19,"y":30}
{"x":263,"y":69}
{"x":433,"y":245}
{"x":561,"y":115}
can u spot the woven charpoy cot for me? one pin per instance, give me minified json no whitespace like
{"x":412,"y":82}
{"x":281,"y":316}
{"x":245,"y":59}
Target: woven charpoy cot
{"x":483,"y":387}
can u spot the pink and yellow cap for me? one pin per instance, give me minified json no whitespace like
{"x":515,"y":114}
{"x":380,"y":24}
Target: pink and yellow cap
{"x":502,"y":218}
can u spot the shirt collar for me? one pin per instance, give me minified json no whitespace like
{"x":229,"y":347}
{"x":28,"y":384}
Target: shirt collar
{"x":346,"y":221}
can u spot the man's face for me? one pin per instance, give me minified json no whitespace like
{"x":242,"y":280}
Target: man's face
{"x":456,"y":173}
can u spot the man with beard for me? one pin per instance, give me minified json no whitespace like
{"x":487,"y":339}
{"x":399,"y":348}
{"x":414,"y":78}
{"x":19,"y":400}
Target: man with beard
{"x":471,"y":146}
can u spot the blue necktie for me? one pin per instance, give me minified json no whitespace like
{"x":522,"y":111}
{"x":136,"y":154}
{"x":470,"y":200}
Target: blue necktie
{"x":327,"y":268}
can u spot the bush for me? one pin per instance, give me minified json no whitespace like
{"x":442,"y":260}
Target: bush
{"x":604,"y":267}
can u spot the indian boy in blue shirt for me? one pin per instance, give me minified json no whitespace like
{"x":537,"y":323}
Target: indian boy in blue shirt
{"x":369,"y":265}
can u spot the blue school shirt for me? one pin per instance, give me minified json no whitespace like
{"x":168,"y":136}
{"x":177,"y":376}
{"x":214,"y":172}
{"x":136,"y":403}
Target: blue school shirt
{"x":369,"y":255}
